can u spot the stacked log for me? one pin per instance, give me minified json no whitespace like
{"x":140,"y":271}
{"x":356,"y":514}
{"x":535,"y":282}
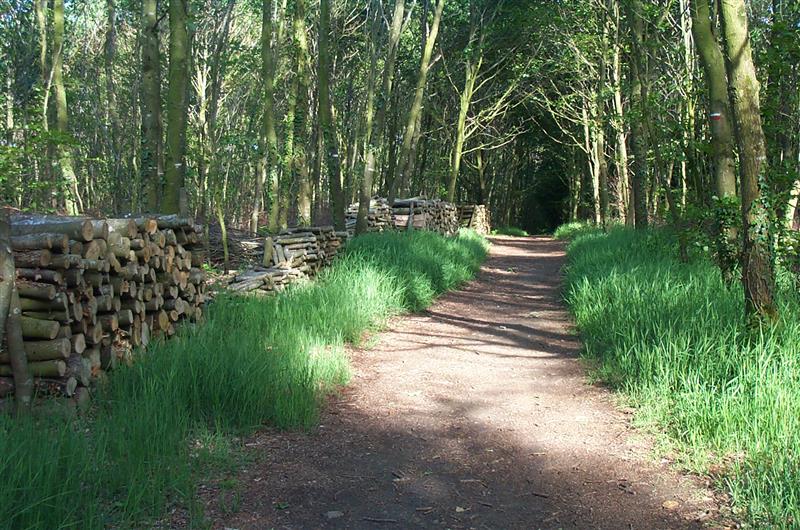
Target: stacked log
{"x":423,"y":214}
{"x":292,"y":255}
{"x":379,"y":218}
{"x":476,"y":217}
{"x":91,"y":290}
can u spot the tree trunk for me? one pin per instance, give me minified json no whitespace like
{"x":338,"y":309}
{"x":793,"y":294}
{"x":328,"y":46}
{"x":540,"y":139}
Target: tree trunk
{"x":404,"y":158}
{"x":330,"y":136}
{"x":471,"y":70}
{"x":72,"y":201}
{"x":375,"y":135}
{"x":758,"y":276}
{"x":301,"y":122}
{"x":638,"y":102}
{"x":268,"y":144}
{"x":623,"y":180}
{"x":718,"y":117}
{"x":174,"y":200}
{"x":365,"y":190}
{"x":152,"y":165}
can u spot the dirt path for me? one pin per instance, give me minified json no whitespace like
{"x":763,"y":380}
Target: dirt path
{"x":475,"y":414}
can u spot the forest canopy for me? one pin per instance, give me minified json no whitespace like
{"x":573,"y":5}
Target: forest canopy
{"x":279,"y":112}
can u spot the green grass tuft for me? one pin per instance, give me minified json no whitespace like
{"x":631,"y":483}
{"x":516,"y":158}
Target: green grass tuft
{"x":161,"y":425}
{"x":671,"y":336}
{"x":574,"y":229}
{"x":510,"y":231}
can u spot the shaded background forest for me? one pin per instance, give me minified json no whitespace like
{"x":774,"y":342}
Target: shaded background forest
{"x":250,"y":111}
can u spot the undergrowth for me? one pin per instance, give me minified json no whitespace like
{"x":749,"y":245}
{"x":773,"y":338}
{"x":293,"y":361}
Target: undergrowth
{"x":672,"y":337}
{"x":573,"y":229}
{"x":510,"y":231}
{"x":158,"y":427}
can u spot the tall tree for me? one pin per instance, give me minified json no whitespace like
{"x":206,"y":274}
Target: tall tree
{"x":326,"y":120}
{"x":152,"y":166}
{"x":72,"y":201}
{"x":268,"y":139}
{"x":636,"y":21}
{"x":404,"y":158}
{"x":174,"y":197}
{"x":472,"y":66}
{"x":301,"y":130}
{"x":758,"y":277}
{"x":718,"y":116}
{"x":374,"y":134}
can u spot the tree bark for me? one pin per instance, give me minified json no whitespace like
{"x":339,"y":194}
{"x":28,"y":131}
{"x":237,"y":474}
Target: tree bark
{"x":718,"y":116}
{"x":758,"y":276}
{"x":639,"y":103}
{"x":623,"y":179}
{"x":72,"y":200}
{"x":330,"y":136}
{"x":471,"y":69}
{"x":151,"y":152}
{"x":268,"y":162}
{"x":174,"y":200}
{"x":404,"y":158}
{"x":301,"y":122}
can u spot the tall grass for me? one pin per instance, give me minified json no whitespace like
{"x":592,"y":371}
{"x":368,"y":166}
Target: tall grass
{"x":255,"y":361}
{"x":672,"y":337}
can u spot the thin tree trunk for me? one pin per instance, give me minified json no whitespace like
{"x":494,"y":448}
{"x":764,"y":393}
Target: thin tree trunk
{"x":365,"y":190}
{"x":638,"y":102}
{"x":718,"y":116}
{"x":374,"y":135}
{"x":404,"y":159}
{"x":174,"y":200}
{"x":471,"y":70}
{"x":72,"y":201}
{"x":758,"y":276}
{"x":624,"y":203}
{"x":301,"y":122}
{"x":152,"y":165}
{"x":109,"y":55}
{"x":330,"y":136}
{"x":268,"y":140}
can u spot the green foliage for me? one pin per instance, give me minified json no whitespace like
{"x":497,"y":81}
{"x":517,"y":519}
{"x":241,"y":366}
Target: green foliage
{"x":574,"y":229}
{"x":162,"y":424}
{"x":510,"y":231}
{"x":672,"y":337}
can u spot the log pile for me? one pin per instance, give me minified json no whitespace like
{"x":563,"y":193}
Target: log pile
{"x":91,"y":290}
{"x":423,"y":214}
{"x":379,"y":217}
{"x":292,"y":255}
{"x":476,"y":217}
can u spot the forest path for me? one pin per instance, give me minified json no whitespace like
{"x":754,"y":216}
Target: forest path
{"x":474,"y":414}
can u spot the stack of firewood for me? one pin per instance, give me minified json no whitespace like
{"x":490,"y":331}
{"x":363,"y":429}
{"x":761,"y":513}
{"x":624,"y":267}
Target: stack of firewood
{"x":423,"y":214}
{"x":379,"y":217}
{"x":476,"y":217}
{"x":294,"y":254}
{"x":93,"y":289}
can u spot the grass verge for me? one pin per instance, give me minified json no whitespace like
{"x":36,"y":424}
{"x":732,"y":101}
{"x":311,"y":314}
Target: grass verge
{"x":162,"y":424}
{"x":671,"y":336}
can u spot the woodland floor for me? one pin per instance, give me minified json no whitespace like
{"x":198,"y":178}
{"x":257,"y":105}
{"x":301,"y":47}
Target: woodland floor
{"x":474,"y":414}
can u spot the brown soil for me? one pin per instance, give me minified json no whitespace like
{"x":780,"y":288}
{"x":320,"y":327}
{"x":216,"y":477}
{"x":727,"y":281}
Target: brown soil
{"x":474,"y":414}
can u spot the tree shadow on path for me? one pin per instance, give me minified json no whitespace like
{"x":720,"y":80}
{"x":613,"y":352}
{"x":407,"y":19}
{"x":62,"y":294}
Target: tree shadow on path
{"x":474,"y":414}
